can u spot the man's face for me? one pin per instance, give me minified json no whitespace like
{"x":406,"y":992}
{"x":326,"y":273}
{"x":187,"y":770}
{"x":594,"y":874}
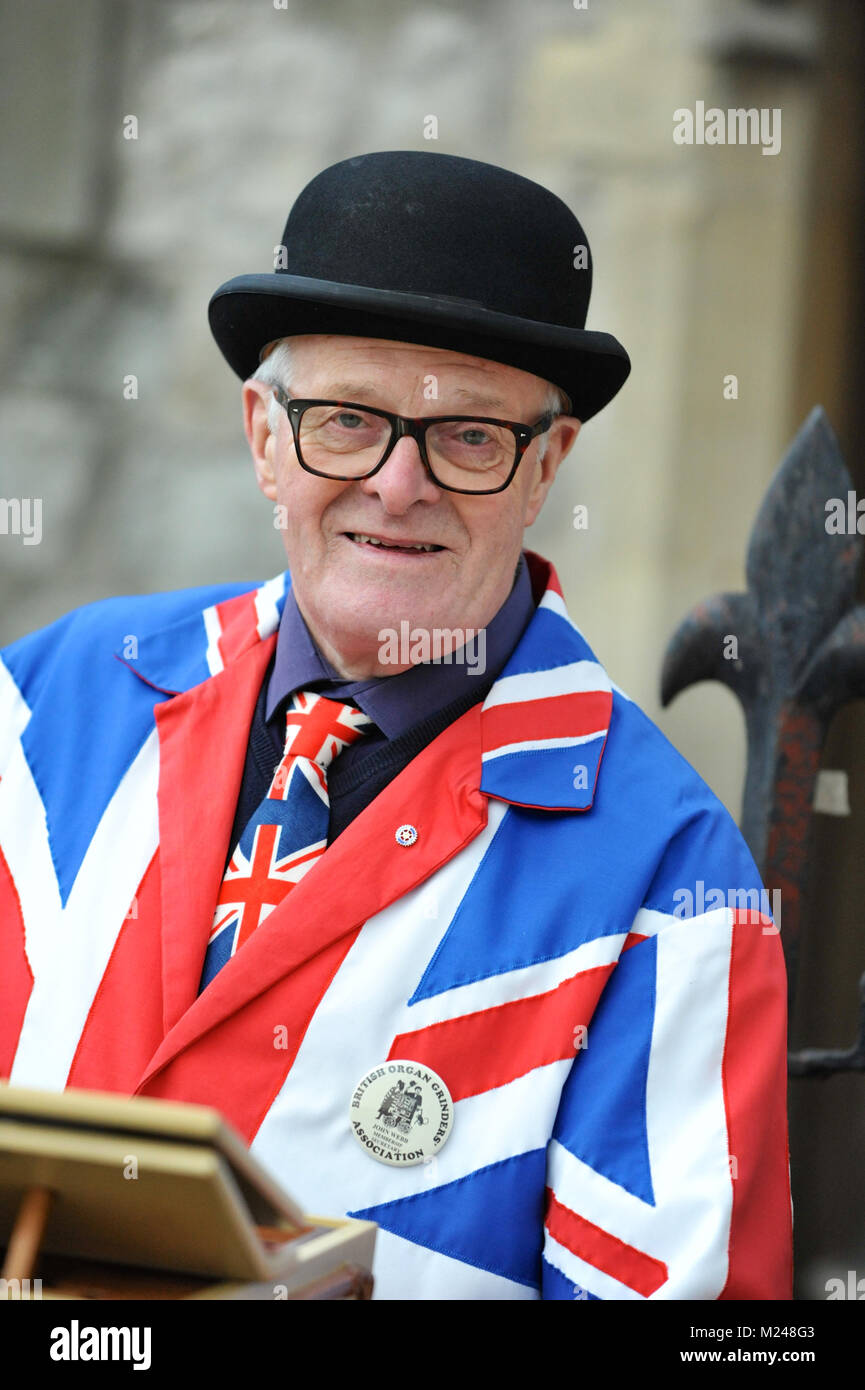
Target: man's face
{"x":348,"y":590}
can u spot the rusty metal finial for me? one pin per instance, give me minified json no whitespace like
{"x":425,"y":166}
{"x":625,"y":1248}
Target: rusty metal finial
{"x":792,"y":648}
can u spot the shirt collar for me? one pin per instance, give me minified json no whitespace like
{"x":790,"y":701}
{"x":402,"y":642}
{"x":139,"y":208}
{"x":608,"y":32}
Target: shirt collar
{"x":544,"y":722}
{"x":395,"y":703}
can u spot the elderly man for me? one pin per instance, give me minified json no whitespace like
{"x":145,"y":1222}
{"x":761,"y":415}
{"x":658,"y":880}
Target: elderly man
{"x":373,"y":856}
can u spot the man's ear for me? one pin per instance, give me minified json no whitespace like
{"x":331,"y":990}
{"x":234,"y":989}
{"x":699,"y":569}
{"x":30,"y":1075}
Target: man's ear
{"x":560,"y":441}
{"x":262,"y":444}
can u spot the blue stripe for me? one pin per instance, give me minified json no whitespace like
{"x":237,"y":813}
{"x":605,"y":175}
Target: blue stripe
{"x":549,"y":641}
{"x":602,"y":1116}
{"x":90,"y":718}
{"x":31,"y":659}
{"x":175,"y":658}
{"x":492,"y":1218}
{"x":707,"y":865}
{"x":218,"y":953}
{"x":546,"y":885}
{"x":302,"y":817}
{"x":557,"y":1288}
{"x":553,"y":778}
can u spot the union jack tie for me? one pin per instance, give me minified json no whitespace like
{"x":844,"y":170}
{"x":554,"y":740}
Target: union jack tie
{"x":288,"y":831}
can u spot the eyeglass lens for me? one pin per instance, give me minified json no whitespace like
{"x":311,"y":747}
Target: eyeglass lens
{"x":464,"y":453}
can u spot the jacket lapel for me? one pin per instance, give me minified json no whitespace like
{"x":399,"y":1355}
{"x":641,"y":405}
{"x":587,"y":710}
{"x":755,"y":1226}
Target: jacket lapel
{"x":360,"y":874}
{"x":211,"y":663}
{"x":203,"y":735}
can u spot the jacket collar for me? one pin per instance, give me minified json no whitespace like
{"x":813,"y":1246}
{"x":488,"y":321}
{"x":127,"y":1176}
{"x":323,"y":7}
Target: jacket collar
{"x":544,"y":722}
{"x":183,"y":654}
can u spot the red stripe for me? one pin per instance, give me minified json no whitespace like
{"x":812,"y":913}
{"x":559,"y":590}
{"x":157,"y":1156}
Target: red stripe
{"x":203,"y":735}
{"x":478,"y":1051}
{"x":240,"y":1067}
{"x":15,"y":969}
{"x":124,"y":1024}
{"x":632,"y":1267}
{"x":238,"y":620}
{"x":755,"y":1097}
{"x":558,"y":716}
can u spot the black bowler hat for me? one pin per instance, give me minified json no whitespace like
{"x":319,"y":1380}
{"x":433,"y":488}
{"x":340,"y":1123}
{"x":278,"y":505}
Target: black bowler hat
{"x":437,"y":250}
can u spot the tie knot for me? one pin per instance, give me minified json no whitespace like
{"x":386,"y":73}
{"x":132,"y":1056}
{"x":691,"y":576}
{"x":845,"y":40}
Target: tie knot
{"x":318,"y":728}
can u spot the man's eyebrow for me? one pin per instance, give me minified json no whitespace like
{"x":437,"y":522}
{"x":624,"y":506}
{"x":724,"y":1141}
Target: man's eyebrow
{"x":477,"y":398}
{"x":359,"y":390}
{"x":347,"y":390}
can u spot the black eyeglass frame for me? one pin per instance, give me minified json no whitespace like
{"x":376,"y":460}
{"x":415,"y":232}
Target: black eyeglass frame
{"x":415,"y":427}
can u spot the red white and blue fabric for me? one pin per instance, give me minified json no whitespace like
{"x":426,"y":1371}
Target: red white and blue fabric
{"x":287,"y":832}
{"x":618,"y":1070}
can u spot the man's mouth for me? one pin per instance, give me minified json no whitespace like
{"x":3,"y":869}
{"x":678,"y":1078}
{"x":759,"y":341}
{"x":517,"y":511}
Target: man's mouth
{"x":379,"y":542}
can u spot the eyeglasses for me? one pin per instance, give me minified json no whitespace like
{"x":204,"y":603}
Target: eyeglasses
{"x":461,"y":453}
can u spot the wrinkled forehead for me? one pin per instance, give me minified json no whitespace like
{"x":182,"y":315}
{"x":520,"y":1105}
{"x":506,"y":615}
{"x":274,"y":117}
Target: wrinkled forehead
{"x":342,"y":365}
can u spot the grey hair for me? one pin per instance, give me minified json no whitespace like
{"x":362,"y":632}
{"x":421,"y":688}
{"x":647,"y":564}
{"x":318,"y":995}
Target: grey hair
{"x":276,"y":370}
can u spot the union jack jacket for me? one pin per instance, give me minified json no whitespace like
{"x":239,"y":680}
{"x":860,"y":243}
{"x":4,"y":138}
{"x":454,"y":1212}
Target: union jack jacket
{"x":616,"y":1064}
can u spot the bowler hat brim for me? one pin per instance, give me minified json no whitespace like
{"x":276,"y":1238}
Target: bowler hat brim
{"x":250,"y":311}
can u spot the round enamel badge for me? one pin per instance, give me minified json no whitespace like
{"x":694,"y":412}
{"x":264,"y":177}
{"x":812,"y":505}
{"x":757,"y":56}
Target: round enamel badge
{"x":401,"y":1113}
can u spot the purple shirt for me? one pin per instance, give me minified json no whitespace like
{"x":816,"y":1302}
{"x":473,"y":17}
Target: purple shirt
{"x":395,"y":703}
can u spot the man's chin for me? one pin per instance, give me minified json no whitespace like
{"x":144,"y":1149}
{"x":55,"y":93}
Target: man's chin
{"x":383,"y":642}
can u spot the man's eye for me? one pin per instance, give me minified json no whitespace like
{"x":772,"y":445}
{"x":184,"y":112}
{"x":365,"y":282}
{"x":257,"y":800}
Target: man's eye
{"x":473,"y":437}
{"x":349,"y":419}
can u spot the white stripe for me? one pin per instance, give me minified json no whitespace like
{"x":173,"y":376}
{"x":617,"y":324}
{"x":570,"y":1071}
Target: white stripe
{"x":213,"y":629}
{"x":619,"y":691}
{"x":521,"y":983}
{"x":69,"y":949}
{"x":578,"y":677}
{"x":603,"y":1202}
{"x":14,"y":715}
{"x":532,"y":745}
{"x":24,"y":838}
{"x":556,"y":604}
{"x":267,"y":605}
{"x":685,"y":1111}
{"x":688,"y":1227}
{"x":649,"y":921}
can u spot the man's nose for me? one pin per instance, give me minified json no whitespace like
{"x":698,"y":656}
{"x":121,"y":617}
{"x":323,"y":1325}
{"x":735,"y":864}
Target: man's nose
{"x":403,"y":479}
